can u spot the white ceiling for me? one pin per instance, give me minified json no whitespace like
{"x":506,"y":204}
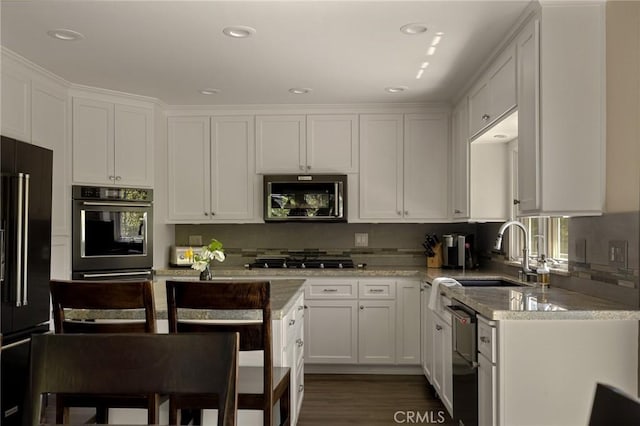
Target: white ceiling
{"x":346,"y":51}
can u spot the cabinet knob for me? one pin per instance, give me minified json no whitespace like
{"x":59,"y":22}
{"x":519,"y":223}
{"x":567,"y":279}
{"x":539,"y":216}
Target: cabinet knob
{"x":516,"y":202}
{"x":406,"y":212}
{"x":300,"y":388}
{"x":112,"y":178}
{"x":457,"y":211}
{"x":308,"y":167}
{"x":291,"y":322}
{"x":301,"y":307}
{"x":485,"y":339}
{"x":301,"y":167}
{"x":361,"y":308}
{"x":399,"y":213}
{"x":485,"y":117}
{"x":206,"y":214}
{"x":438,"y":327}
{"x":213,"y":213}
{"x":306,"y":307}
{"x":118,"y":177}
{"x":300,"y":343}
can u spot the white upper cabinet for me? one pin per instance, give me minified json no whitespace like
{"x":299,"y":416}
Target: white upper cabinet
{"x":211,"y":169}
{"x":495,"y":93}
{"x":561,"y":111}
{"x":460,"y":161}
{"x":112,"y":143}
{"x":16,"y":100}
{"x":307,"y":144}
{"x":332,"y":143}
{"x":404,"y":167}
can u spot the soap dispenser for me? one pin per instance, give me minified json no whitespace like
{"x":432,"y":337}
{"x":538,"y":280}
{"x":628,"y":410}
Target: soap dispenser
{"x":543,"y":272}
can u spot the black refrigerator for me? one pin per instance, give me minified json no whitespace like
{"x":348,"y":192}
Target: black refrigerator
{"x":25,"y":263}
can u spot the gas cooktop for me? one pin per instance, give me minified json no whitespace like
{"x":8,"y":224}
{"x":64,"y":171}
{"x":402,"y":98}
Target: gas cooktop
{"x":303,"y":261}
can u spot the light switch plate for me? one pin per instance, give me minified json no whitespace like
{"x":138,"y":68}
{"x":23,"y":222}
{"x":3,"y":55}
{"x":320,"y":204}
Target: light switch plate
{"x":618,"y":253}
{"x":362,"y":239}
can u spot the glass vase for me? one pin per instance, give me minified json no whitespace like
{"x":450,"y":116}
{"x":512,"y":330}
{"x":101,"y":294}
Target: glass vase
{"x":206,"y":274}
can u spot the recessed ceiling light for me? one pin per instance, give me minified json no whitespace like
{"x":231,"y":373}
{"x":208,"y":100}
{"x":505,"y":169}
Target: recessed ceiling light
{"x":413,"y":29}
{"x":419,"y":75}
{"x":239,"y":31}
{"x":436,"y":40}
{"x":209,"y":91}
{"x":65,"y":34}
{"x":300,"y":90}
{"x":396,"y":89}
{"x":431,"y":51}
{"x":424,"y":65}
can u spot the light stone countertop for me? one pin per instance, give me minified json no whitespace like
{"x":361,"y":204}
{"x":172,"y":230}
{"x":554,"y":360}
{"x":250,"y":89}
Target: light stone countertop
{"x":284,"y":293}
{"x":491,"y":302}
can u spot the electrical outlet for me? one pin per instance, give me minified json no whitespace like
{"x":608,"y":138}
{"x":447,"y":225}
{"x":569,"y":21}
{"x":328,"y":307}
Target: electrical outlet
{"x":362,"y":239}
{"x":618,"y":253}
{"x":195,"y":240}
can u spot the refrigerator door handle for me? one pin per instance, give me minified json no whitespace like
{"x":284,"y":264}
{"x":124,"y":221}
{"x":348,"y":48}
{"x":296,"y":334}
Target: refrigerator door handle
{"x":19,"y":241}
{"x":25,"y":262}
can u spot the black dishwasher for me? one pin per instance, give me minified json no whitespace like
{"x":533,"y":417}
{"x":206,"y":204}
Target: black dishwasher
{"x":464,"y":360}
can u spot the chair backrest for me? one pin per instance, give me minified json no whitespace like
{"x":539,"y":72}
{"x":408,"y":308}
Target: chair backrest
{"x":134,"y":364}
{"x":231,"y":295}
{"x":611,"y":406}
{"x":103,"y":295}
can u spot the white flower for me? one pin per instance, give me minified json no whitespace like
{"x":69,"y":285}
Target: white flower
{"x":207,"y":255}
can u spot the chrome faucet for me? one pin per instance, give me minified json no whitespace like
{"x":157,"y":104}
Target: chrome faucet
{"x":526,"y":270}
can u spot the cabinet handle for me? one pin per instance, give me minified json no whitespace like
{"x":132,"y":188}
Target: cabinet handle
{"x":516,"y":202}
{"x":438,"y":327}
{"x":206,"y":214}
{"x":306,"y":307}
{"x":213,"y":213}
{"x":376,"y":290}
{"x":485,"y":117}
{"x":485,"y":339}
{"x":399,"y":213}
{"x":300,"y":388}
{"x":291,"y":322}
{"x":301,"y":167}
{"x":456,"y":211}
{"x":112,"y":177}
{"x":300,"y":343}
{"x":301,"y":307}
{"x":329,"y":290}
{"x":308,"y":167}
{"x":118,"y":177}
{"x":406,"y":212}
{"x":361,"y":308}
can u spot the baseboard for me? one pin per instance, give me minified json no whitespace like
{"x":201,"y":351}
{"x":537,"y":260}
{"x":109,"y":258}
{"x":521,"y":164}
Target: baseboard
{"x":362,"y":369}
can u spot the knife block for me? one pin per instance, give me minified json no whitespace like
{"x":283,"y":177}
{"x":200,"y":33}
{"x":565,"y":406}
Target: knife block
{"x":435,"y":261}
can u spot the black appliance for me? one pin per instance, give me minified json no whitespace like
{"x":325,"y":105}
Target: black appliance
{"x":303,"y":260}
{"x":112,"y":233}
{"x":458,"y":251}
{"x":305,"y":198}
{"x":25,"y":264}
{"x":464,"y":361}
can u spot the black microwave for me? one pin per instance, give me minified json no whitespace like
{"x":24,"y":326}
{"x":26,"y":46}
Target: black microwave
{"x":305,"y":198}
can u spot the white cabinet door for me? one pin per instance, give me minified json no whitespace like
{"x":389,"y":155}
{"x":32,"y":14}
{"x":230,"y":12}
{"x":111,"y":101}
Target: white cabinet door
{"x":408,"y":295}
{"x":426,"y":171}
{"x":495,"y":93}
{"x":233,"y":179}
{"x":442,"y":367}
{"x":49,"y":130}
{"x":93,"y":149}
{"x":460,"y":161}
{"x":528,"y":66}
{"x":189,"y":168}
{"x":381,"y":158}
{"x":376,"y":331}
{"x":427,"y":333}
{"x":133,"y":146}
{"x":487,"y":392}
{"x":332,"y":143}
{"x":16,"y":100}
{"x":331,"y":332}
{"x":489,"y":182}
{"x":281,"y":144}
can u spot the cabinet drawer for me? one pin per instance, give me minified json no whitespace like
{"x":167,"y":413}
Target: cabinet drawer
{"x":334,"y":289}
{"x":293,"y":321}
{"x":377,"y":289}
{"x":487,"y":338}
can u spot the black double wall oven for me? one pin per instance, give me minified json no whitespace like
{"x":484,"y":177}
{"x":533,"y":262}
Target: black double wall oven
{"x":112,"y":233}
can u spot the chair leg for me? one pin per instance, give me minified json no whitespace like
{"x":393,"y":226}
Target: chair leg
{"x":102,"y":414}
{"x":153,"y":404}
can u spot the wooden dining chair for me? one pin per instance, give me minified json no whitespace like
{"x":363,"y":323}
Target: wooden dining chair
{"x":135,"y":363}
{"x":258,"y":387}
{"x":611,"y":406}
{"x":132,"y":296}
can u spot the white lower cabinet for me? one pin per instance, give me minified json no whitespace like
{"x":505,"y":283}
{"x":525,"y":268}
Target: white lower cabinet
{"x":426,"y":321}
{"x":369,"y":322}
{"x":442,"y":376}
{"x":487,"y":373}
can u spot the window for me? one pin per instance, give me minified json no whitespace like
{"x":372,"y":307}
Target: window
{"x":548,"y":236}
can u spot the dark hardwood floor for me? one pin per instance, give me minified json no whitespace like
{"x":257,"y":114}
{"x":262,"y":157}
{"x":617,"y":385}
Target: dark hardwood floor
{"x":353,"y":399}
{"x":371,"y":400}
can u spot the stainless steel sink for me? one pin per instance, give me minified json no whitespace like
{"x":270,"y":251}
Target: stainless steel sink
{"x":479,"y":282}
{"x":550,"y":307}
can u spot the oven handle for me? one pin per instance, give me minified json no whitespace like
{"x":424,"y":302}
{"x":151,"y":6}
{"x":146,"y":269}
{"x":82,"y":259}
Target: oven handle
{"x":116,"y":274}
{"x":460,"y":314}
{"x":114,"y":204}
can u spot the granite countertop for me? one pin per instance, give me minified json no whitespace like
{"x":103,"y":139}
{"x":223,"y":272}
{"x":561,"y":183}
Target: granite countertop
{"x":241,"y":272}
{"x":284,"y":293}
{"x":499,"y":303}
